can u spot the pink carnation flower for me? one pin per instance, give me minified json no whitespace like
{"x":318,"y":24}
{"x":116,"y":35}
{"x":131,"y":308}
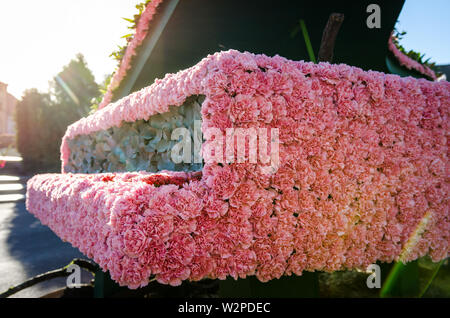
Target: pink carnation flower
{"x":361,"y":164}
{"x":244,"y":109}
{"x":135,"y":242}
{"x":187,"y":204}
{"x":221,"y":180}
{"x":246,"y":194}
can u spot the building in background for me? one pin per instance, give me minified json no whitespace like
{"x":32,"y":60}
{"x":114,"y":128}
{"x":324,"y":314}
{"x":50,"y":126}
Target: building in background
{"x":445,"y":70}
{"x":7,"y":106}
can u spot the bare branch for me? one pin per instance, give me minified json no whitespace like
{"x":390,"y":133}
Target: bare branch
{"x":61,"y":272}
{"x":329,"y":37}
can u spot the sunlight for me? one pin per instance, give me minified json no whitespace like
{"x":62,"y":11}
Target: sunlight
{"x":4,"y":178}
{"x":10,"y":158}
{"x":43,"y":36}
{"x":11,"y":187}
{"x":11,"y":197}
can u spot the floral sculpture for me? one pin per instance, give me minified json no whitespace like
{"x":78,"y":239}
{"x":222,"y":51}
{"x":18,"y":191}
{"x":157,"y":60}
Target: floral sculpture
{"x":362,"y":176}
{"x":130,"y":52}
{"x":405,"y":61}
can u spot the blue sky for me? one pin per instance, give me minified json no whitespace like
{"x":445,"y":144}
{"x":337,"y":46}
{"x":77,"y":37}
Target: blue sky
{"x":37,"y":38}
{"x":427,"y":24}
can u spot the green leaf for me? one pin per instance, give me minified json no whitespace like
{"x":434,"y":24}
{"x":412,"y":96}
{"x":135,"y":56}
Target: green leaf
{"x":135,"y":145}
{"x":307,"y":41}
{"x":435,"y":269}
{"x":402,"y":281}
{"x":119,"y":154}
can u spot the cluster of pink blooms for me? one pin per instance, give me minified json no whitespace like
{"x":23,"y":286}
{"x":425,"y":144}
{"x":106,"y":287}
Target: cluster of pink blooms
{"x":130,"y":52}
{"x":363,"y":159}
{"x":408,"y":62}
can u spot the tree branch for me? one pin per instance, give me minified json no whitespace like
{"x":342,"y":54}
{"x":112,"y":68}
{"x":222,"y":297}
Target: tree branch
{"x":329,"y":37}
{"x":60,"y":272}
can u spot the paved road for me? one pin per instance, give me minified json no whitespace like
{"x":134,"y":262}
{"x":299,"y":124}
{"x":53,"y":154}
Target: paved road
{"x":28,"y":248}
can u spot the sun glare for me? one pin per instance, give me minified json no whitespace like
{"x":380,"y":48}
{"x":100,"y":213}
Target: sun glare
{"x":39,"y":37}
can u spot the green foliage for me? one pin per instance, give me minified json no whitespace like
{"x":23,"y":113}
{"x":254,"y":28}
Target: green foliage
{"x":307,"y":41}
{"x":417,"y":56}
{"x":103,"y":89}
{"x":416,"y":279}
{"x":42,"y":118}
{"x":302,"y":27}
{"x":120,"y":52}
{"x":74,"y":87}
{"x":143,"y":145}
{"x":33,"y":139}
{"x":432,"y":270}
{"x":402,"y":281}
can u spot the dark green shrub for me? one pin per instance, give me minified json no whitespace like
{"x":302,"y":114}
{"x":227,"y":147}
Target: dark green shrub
{"x":42,"y":118}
